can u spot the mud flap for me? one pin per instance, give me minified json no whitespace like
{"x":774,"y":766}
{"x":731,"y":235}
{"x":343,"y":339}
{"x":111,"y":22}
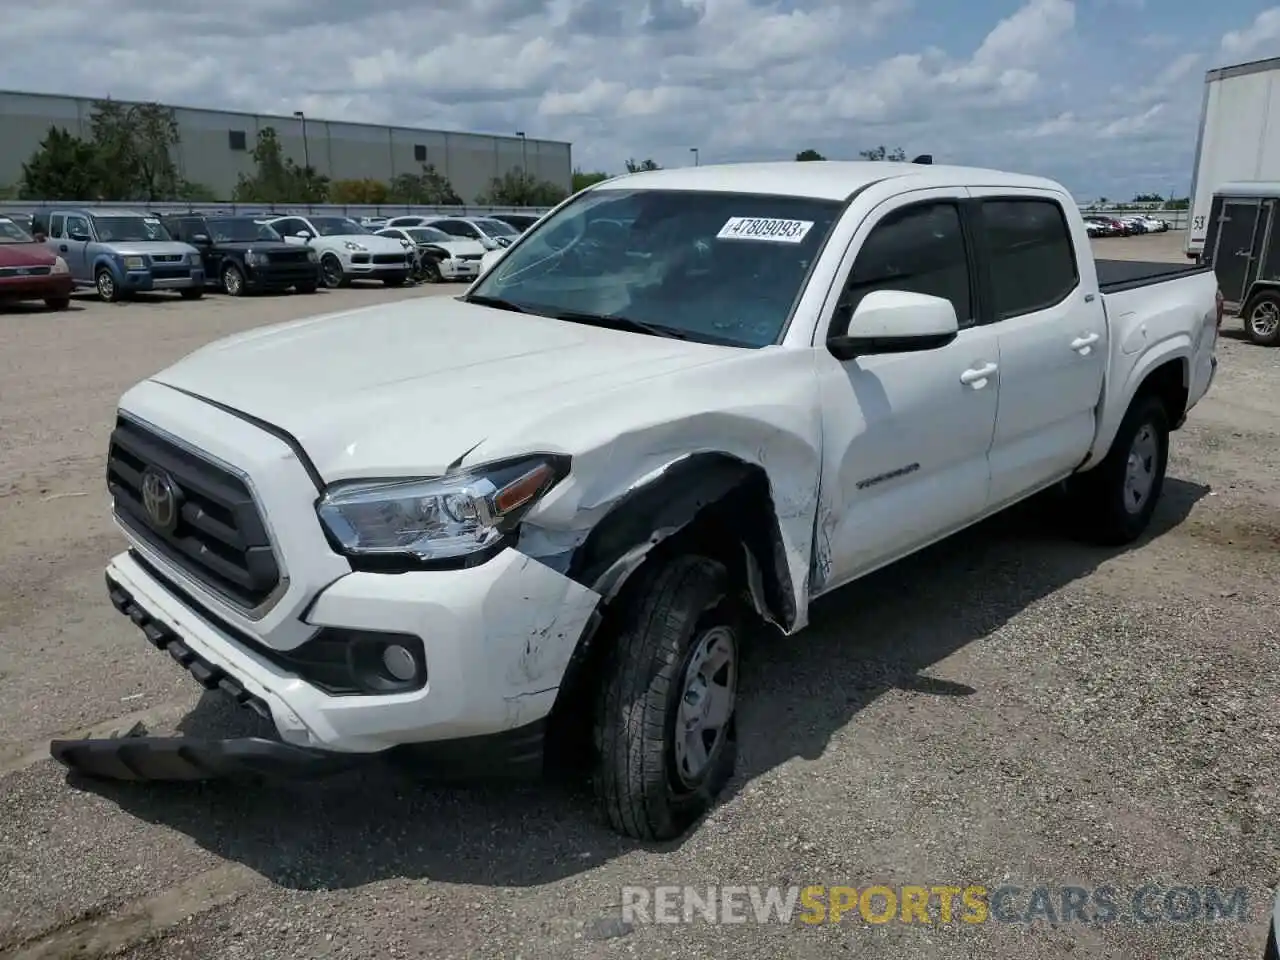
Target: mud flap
{"x":190,"y":758}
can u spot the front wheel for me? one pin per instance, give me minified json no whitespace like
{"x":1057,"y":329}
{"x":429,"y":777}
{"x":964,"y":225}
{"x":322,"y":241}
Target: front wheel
{"x":1262,"y":318}
{"x":431,"y":271}
{"x":232,"y":280}
{"x":104,"y":282}
{"x":331,"y":271}
{"x":1117,"y":498}
{"x":665,"y":732}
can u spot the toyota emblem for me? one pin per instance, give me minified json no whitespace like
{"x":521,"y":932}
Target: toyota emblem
{"x":160,"y":499}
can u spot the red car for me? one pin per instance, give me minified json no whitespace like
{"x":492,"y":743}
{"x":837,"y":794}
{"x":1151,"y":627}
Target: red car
{"x":31,"y":271}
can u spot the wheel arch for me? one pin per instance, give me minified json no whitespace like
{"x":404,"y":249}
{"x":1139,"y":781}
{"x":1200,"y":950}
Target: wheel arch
{"x":1165,"y":372}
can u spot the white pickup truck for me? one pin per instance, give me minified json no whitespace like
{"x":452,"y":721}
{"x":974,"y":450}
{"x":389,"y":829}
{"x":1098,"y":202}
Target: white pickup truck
{"x":459,"y":531}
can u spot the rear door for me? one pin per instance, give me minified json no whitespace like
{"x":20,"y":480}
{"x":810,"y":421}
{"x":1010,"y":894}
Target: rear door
{"x":1239,"y":235}
{"x":1046,"y":310}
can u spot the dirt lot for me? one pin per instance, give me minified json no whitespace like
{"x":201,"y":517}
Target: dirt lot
{"x":1008,"y":708}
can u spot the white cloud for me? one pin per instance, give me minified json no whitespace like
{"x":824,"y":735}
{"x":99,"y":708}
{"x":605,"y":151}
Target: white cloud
{"x":739,"y":79}
{"x":1262,"y":34}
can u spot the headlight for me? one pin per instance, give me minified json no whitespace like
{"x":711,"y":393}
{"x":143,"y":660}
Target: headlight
{"x":352,"y":246}
{"x":60,"y":266}
{"x":134,"y":263}
{"x":449,"y":517}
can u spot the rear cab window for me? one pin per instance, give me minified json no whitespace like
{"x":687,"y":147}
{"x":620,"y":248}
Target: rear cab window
{"x":1031,"y":253}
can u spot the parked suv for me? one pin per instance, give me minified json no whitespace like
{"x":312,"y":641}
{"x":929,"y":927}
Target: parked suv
{"x":347,"y":251}
{"x":121,"y":252}
{"x":243,"y":256}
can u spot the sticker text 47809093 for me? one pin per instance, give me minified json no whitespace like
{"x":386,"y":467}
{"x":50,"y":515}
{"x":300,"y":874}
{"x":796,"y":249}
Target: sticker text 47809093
{"x":764,"y":228}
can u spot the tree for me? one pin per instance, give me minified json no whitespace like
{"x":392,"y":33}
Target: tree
{"x":428,"y":188}
{"x":277,"y":178}
{"x":519,"y":189}
{"x":647,"y":164}
{"x":134,"y":144}
{"x":196,"y":193}
{"x":897,"y":154}
{"x":63,"y":167}
{"x":1147,"y":198}
{"x":809,"y":155}
{"x":358,"y":191}
{"x":583,"y":180}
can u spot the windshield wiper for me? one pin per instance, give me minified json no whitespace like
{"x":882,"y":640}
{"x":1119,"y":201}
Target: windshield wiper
{"x":496,"y":302}
{"x":614,"y":322}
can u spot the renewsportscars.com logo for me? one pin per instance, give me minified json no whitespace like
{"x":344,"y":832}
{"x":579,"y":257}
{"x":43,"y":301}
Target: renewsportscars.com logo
{"x":934,"y":904}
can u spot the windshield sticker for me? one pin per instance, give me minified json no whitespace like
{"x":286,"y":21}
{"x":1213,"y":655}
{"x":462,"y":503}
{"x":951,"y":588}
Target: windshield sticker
{"x":764,"y":228}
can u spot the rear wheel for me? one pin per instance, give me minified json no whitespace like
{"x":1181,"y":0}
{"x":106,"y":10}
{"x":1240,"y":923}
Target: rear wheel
{"x":665,"y":732}
{"x":233,"y":280}
{"x":1262,"y":318}
{"x":1117,"y":498}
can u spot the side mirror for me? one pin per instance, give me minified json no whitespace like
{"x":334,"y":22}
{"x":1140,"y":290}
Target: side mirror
{"x":303,"y":235}
{"x":894,"y":321}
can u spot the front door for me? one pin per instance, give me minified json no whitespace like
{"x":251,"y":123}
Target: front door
{"x":905,"y":436}
{"x":74,"y":251}
{"x":1053,"y":340}
{"x":1233,"y":253}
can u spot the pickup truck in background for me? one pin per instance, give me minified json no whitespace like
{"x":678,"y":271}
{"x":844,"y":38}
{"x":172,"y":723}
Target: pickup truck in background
{"x":121,"y":252}
{"x":460,"y":532}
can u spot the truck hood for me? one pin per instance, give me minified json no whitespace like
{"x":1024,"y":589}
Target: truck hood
{"x":32,"y":254}
{"x":149,"y":248}
{"x":408,"y":388}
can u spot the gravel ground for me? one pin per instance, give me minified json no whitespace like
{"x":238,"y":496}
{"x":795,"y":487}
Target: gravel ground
{"x":1008,"y":708}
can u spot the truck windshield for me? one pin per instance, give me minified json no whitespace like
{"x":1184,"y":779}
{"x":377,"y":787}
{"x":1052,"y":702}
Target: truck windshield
{"x":130,"y":229}
{"x":338,"y":227}
{"x":496,"y":228}
{"x":10,"y":232}
{"x":717,"y":267}
{"x":240,"y":230}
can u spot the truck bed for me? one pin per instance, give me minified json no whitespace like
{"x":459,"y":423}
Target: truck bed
{"x":1117,"y":275}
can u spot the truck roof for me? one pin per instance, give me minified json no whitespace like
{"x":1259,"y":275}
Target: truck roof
{"x":817,"y":179}
{"x":96,"y":212}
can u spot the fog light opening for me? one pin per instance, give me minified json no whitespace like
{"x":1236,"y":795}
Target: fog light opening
{"x":399,"y":663}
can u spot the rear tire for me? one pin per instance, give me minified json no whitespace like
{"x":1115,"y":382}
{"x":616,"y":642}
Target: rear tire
{"x":1116,"y":499}
{"x":1261,"y":317}
{"x":669,"y":685}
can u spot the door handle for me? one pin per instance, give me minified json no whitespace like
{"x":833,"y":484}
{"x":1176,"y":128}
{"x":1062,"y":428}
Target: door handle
{"x":62,"y":247}
{"x":1082,"y":344}
{"x":976,"y":377}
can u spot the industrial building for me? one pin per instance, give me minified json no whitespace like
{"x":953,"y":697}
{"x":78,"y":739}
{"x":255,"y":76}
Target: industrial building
{"x":216,"y":146}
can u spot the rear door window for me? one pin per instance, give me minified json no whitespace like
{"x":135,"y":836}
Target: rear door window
{"x":1031,"y":254}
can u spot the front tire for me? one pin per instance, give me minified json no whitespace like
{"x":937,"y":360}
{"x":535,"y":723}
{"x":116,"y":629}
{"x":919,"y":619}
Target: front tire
{"x":1262,"y":318}
{"x":104,"y":282}
{"x":232,"y":280}
{"x":331,"y":271}
{"x":1117,"y":498}
{"x":665,"y":726}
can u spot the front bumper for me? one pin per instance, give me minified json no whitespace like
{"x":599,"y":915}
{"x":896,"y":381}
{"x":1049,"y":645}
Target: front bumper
{"x":363,"y":265}
{"x":36,"y":288}
{"x":282,"y":276}
{"x":454,"y":269}
{"x":146,"y":280}
{"x":497,"y":639}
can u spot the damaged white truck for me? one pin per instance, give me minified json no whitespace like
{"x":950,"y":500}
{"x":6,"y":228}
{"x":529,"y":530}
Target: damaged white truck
{"x":460,"y":529}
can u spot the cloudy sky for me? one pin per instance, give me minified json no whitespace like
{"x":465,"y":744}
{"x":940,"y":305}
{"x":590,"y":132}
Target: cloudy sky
{"x":1101,"y":94}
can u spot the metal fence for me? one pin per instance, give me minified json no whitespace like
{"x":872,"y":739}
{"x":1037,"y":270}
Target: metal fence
{"x":259,"y":209}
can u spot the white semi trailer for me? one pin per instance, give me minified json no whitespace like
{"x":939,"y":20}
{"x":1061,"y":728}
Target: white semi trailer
{"x":1239,"y":138}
